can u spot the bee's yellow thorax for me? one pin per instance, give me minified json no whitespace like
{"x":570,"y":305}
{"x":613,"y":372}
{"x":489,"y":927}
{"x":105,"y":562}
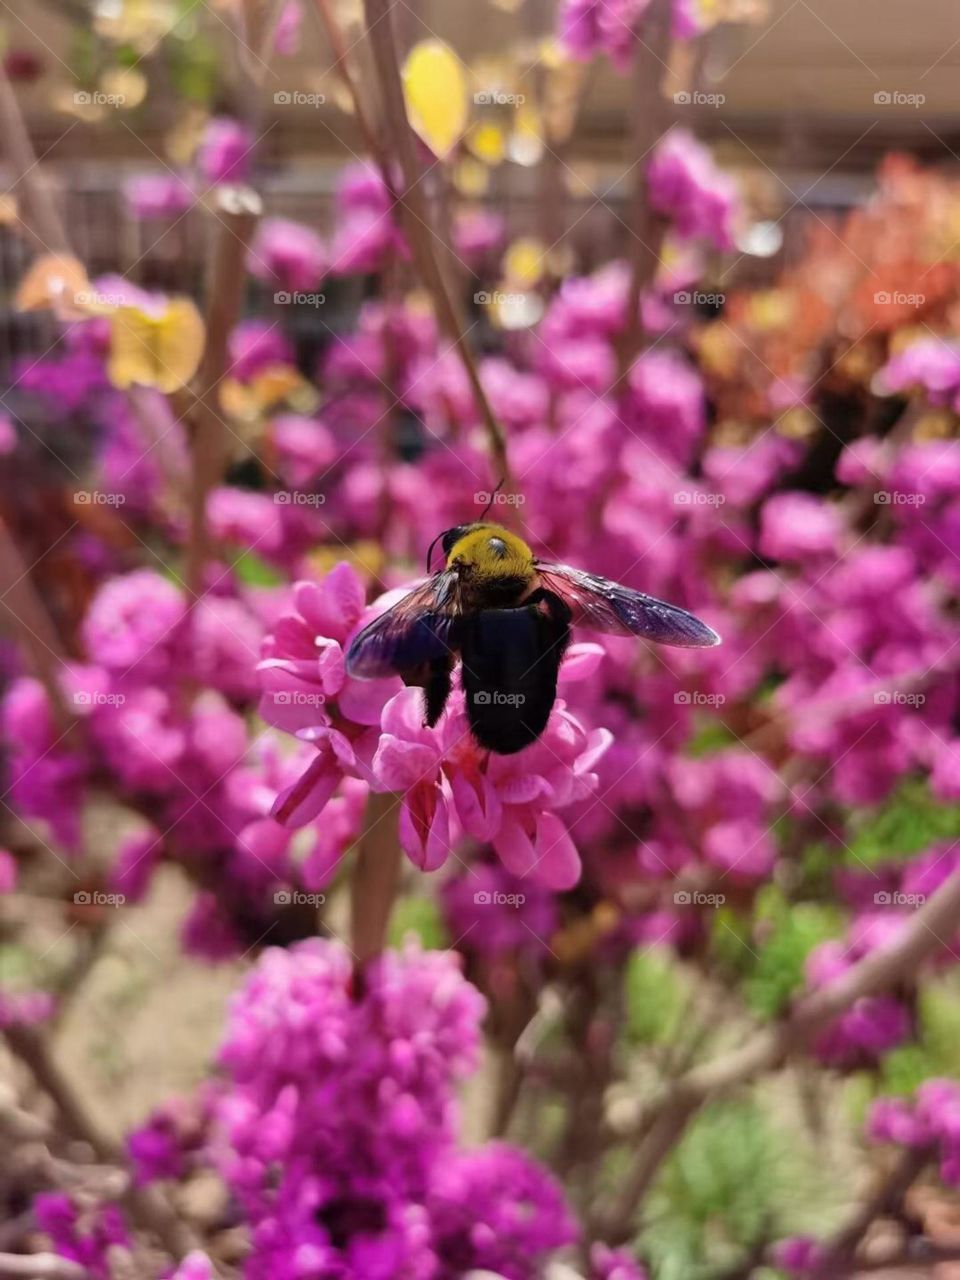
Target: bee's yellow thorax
{"x":493,"y":552}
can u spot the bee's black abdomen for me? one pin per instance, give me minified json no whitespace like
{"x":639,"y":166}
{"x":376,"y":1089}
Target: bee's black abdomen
{"x":511,"y":658}
{"x":436,"y":690}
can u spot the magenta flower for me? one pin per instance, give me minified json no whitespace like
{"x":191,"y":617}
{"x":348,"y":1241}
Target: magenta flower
{"x":226,"y":151}
{"x":687,"y":187}
{"x":255,"y":346}
{"x":153,"y":196}
{"x":287,"y":255}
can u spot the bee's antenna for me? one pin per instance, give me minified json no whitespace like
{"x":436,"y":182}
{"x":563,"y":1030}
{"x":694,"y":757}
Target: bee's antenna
{"x":500,"y":483}
{"x":430,"y":551}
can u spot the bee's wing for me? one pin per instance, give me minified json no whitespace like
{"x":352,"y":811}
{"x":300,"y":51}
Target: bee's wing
{"x":417,"y":629}
{"x":607,"y":606}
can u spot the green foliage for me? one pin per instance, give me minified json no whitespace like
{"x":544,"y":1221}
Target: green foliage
{"x":712,"y":736}
{"x":655,"y":993}
{"x":193,"y":68}
{"x":909,"y":822}
{"x":779,"y":967}
{"x":422,"y":917}
{"x":936,"y":1050}
{"x":767,"y":950}
{"x":255,"y":572}
{"x":736,"y":1180}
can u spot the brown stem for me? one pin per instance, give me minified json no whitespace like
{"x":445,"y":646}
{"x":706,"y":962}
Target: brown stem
{"x":41,"y":220}
{"x":376,"y":878}
{"x":31,"y":624}
{"x":416,"y":217}
{"x":41,"y":1266}
{"x":237,"y":215}
{"x":932,"y":923}
{"x":886,"y":1201}
{"x":341,"y":66}
{"x":649,"y":119}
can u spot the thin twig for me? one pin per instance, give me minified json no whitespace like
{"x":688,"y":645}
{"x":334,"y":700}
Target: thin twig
{"x":416,"y":216}
{"x":876,"y":972}
{"x":42,"y":221}
{"x":31,"y":624}
{"x":376,"y":878}
{"x":41,"y":1266}
{"x":236,"y":218}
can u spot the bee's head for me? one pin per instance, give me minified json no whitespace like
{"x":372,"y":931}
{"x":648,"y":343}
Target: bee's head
{"x":447,"y":540}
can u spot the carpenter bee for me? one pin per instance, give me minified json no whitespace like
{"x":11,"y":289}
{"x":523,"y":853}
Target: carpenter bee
{"x":507,"y":616}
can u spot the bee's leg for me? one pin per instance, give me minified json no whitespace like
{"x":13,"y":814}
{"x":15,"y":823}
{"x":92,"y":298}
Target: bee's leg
{"x":436,"y":690}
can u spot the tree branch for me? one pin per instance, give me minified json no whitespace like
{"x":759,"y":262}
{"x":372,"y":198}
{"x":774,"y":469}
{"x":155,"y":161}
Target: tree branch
{"x":380,"y":31}
{"x":936,"y":920}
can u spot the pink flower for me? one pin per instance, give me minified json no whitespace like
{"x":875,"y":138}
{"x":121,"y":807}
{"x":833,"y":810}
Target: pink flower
{"x":687,"y":187}
{"x":287,"y":255}
{"x":225,"y":151}
{"x":157,"y":195}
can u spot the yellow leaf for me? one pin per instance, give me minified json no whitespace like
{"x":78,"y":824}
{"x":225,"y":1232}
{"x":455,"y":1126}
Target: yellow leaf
{"x":159,"y":350}
{"x":273,"y":386}
{"x":126,"y":85}
{"x":52,"y":282}
{"x":523,"y":261}
{"x":436,"y":92}
{"x":471,"y":178}
{"x":487,"y":142}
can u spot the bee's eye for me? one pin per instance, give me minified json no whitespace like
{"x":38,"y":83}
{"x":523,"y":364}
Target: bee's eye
{"x":497,"y":547}
{"x":451,"y":536}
